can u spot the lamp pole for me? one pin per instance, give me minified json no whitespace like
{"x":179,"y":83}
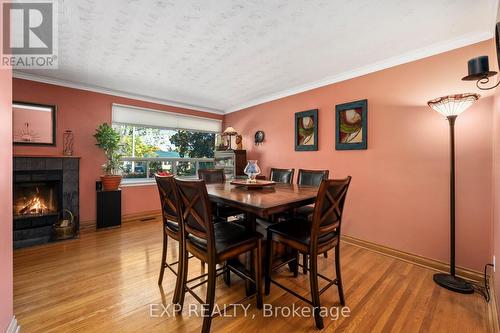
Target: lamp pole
{"x":451,"y":281}
{"x":451,"y":120}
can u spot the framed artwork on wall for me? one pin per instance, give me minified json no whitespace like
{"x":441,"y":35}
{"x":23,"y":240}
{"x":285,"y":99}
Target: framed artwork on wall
{"x":306,"y":130}
{"x":351,"y":125}
{"x":33,"y":124}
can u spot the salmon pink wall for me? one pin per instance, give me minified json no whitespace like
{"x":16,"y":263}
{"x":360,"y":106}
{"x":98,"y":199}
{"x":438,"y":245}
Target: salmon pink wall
{"x":399,"y":193}
{"x":6,"y":297}
{"x":82,"y":111}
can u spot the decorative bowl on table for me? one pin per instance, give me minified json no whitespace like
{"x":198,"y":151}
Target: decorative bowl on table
{"x":252,"y":184}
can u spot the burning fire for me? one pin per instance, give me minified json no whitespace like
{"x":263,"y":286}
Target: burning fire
{"x":34,"y":205}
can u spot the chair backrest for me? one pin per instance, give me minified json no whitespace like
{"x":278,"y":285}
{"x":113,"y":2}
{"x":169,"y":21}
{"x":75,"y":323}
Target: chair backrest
{"x":168,"y":198}
{"x":211,"y":176}
{"x":311,"y":177}
{"x":195,"y":208}
{"x":327,"y":216}
{"x":284,"y":176}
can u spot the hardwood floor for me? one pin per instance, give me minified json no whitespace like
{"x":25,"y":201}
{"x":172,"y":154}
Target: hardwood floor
{"x":106,"y":281}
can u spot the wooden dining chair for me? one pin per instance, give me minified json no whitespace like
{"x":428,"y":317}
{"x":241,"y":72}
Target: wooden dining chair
{"x":313,"y":238}
{"x":170,"y":213}
{"x":212,"y":176}
{"x":309,"y":178}
{"x":216,"y":176}
{"x":213,"y":243}
{"x":284,"y":176}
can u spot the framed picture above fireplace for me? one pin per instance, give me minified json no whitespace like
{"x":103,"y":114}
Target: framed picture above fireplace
{"x":33,"y":124}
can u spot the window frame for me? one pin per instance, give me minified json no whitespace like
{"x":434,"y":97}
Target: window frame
{"x":149,"y":180}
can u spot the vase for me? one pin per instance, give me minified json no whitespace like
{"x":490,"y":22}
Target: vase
{"x":68,"y":143}
{"x":252,"y":170}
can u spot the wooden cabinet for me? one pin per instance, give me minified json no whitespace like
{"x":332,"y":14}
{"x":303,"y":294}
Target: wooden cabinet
{"x":232,"y":161}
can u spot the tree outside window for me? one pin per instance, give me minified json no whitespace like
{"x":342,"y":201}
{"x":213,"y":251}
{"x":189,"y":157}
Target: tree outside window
{"x":151,"y":142}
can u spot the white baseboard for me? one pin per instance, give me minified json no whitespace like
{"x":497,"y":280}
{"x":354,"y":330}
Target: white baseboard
{"x":14,"y":326}
{"x":492,"y":307}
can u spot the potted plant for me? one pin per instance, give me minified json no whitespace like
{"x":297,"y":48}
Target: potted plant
{"x":109,"y":141}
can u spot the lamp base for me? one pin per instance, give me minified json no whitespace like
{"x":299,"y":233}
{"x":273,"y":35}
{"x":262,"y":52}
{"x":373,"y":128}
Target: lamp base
{"x":453,"y":283}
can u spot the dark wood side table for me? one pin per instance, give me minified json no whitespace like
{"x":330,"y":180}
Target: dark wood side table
{"x":109,"y":209}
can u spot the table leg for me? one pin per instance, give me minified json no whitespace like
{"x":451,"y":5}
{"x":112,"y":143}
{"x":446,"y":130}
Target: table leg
{"x":251,"y":226}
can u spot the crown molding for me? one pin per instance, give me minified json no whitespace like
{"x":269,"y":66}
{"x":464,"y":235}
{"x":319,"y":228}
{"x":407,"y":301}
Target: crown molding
{"x":75,"y":85}
{"x":425,"y":52}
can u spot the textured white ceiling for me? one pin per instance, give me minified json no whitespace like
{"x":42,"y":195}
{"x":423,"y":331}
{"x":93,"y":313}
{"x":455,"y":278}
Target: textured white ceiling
{"x":224,"y":55}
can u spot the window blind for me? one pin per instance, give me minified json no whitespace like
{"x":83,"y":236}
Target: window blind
{"x":131,"y":115}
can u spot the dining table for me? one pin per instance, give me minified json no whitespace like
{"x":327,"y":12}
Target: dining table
{"x":262,"y":203}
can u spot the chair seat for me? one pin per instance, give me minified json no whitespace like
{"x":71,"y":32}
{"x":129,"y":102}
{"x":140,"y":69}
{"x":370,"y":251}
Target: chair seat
{"x":299,"y":230}
{"x":227,"y":211}
{"x":305,"y":212}
{"x":174,"y":226}
{"x":265,"y":223}
{"x":228,"y":236}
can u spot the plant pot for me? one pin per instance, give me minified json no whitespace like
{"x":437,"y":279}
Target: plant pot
{"x":110,"y":182}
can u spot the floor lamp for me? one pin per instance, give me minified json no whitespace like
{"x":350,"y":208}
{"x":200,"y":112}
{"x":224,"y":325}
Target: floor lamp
{"x":450,"y":107}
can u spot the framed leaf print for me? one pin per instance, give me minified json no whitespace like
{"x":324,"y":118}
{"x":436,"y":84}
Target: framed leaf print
{"x":306,"y":130}
{"x":351,"y":125}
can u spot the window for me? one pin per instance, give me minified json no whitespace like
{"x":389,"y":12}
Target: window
{"x":156,"y":141}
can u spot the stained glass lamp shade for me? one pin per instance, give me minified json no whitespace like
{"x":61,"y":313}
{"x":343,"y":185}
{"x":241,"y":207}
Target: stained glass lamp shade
{"x":230,"y":131}
{"x":452,"y":105}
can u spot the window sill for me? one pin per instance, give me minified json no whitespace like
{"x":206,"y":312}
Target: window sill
{"x":131,"y":182}
{"x":137,"y":182}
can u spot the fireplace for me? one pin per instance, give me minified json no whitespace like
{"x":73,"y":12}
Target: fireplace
{"x":44,"y":187}
{"x":39,"y":198}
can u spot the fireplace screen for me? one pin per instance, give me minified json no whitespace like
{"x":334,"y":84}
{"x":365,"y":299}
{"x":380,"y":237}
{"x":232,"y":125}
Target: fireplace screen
{"x":36,"y":198}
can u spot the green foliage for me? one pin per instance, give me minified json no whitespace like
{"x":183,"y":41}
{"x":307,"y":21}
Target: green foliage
{"x":109,"y":141}
{"x":194,"y":144}
{"x":155,"y":167}
{"x":142,"y":149}
{"x":149,"y":140}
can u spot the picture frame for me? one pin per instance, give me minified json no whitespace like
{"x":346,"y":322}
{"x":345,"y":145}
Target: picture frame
{"x":351,"y":125}
{"x":306,"y":130}
{"x":33,"y":124}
